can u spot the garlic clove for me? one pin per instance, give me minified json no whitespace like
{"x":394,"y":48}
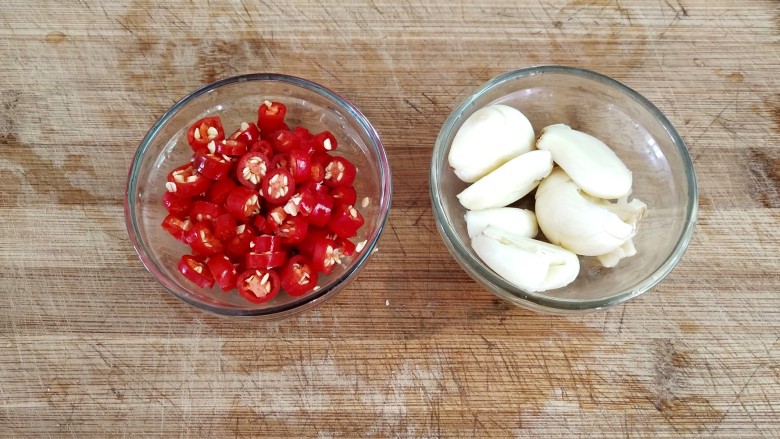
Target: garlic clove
{"x":589,"y":162}
{"x":489,"y":138}
{"x":524,"y":262}
{"x":611,"y":259}
{"x":581,"y":223}
{"x":630,"y":212}
{"x":519,"y":221}
{"x":510,"y":182}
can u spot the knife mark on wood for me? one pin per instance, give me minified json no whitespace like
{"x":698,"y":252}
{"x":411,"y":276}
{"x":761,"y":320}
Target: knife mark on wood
{"x":326,"y":70}
{"x":765,"y":169}
{"x":606,"y":23}
{"x":715,"y":119}
{"x":9,"y":101}
{"x":397,"y":238}
{"x":415,"y":107}
{"x":246,"y":10}
{"x":679,"y":10}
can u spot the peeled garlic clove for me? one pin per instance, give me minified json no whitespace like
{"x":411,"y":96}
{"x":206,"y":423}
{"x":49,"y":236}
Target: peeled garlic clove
{"x":507,"y":184}
{"x":524,"y":262}
{"x":611,"y":259}
{"x":519,"y":221}
{"x":630,"y":212}
{"x":489,"y":138}
{"x":586,"y":225}
{"x":589,"y":162}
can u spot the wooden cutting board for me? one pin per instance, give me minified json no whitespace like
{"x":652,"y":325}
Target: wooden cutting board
{"x":92,"y":346}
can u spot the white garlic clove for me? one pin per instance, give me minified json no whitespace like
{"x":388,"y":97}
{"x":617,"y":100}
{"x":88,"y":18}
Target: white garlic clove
{"x":589,"y":162}
{"x":519,"y":221}
{"x":581,"y":223}
{"x":489,"y":138}
{"x":510,"y":182}
{"x":524,"y":262}
{"x":611,"y":259}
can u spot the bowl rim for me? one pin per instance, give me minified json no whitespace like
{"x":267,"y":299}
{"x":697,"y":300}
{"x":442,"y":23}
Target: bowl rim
{"x":304,"y":302}
{"x":537,"y":301}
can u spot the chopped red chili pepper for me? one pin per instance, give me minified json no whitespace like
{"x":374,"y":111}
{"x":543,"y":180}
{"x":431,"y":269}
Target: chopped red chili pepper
{"x":264,"y":178}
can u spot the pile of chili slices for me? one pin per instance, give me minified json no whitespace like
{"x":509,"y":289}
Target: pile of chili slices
{"x":268,"y":208}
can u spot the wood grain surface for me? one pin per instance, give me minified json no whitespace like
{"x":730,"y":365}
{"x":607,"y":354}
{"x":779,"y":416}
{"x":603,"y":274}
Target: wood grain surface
{"x":92,"y":346}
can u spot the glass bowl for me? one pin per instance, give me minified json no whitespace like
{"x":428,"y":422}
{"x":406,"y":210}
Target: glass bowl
{"x":235,"y":100}
{"x":641,"y":136}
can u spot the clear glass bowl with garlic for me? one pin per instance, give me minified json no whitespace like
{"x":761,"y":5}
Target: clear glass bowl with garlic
{"x":657,"y":202}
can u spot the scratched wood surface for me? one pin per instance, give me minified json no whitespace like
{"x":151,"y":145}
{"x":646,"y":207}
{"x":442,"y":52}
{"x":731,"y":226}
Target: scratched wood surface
{"x":92,"y":346}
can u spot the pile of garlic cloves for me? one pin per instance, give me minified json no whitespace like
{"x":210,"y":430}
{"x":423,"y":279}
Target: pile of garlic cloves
{"x":581,"y":202}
